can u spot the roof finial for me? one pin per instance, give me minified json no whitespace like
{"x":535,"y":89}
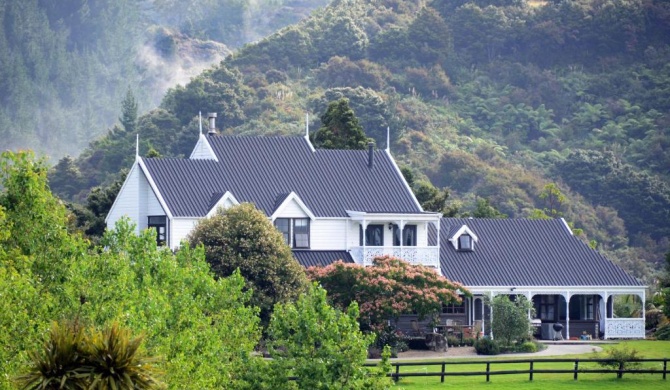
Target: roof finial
{"x":137,"y":146}
{"x":388,"y":139}
{"x":200,"y":118}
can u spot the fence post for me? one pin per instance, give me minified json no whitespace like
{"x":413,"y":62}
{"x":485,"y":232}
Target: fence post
{"x":619,"y":375}
{"x":444,"y":364}
{"x":665,"y":367}
{"x":531,"y":371}
{"x":488,"y":370}
{"x":396,"y":377}
{"x":576,"y":368}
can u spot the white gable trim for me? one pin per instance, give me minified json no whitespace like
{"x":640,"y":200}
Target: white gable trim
{"x":397,"y":169}
{"x":222,"y":201}
{"x":292,"y":197}
{"x":463,"y":230}
{"x":154,"y":188}
{"x":123,"y":186}
{"x":567,"y":227}
{"x":205,"y":150}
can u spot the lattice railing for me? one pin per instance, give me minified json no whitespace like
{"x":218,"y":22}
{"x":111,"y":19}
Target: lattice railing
{"x":624,"y":328}
{"x":428,"y":256}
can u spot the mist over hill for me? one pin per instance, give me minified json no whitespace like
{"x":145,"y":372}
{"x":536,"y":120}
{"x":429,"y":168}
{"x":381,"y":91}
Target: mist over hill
{"x":65,"y":65}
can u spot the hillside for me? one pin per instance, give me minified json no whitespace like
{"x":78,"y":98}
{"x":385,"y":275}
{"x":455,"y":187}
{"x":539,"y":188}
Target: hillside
{"x":492,"y":99}
{"x":65,"y":65}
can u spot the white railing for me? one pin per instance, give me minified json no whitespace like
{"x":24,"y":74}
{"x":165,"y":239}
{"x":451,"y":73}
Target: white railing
{"x":624,"y":328}
{"x":428,"y":256}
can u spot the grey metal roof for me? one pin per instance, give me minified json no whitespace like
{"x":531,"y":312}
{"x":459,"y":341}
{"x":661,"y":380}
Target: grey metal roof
{"x":262,"y":170}
{"x":321,"y":258}
{"x":523,"y":252}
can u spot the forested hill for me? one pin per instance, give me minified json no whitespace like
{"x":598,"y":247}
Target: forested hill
{"x":493,"y":99}
{"x":65,"y":65}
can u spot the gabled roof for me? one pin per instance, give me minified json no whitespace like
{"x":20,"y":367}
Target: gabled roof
{"x":523,"y":252}
{"x":262,"y":170}
{"x":321,"y":258}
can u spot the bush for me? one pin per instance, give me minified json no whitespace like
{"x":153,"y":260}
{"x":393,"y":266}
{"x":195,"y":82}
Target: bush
{"x":528,"y":347}
{"x":469,"y":341}
{"x":663,"y":333}
{"x":453,"y":341}
{"x":621,"y":355}
{"x":486,"y":346}
{"x":393,"y":338}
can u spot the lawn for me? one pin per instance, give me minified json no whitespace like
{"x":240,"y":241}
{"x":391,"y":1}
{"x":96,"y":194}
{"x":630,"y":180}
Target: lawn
{"x":647,"y":349}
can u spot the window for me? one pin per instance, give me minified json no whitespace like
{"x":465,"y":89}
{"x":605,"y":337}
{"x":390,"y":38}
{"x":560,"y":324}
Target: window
{"x":408,"y":235}
{"x":581,"y":307}
{"x":284,"y":226}
{"x":374,"y":235}
{"x":458,"y":308}
{"x":465,"y":243}
{"x":547,"y":307}
{"x":294,"y":230}
{"x":301,"y":233}
{"x":159,"y":223}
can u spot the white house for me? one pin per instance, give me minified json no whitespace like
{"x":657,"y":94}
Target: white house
{"x":354,"y":205}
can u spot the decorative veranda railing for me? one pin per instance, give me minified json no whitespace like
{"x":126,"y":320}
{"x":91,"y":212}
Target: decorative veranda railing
{"x":624,"y":328}
{"x":428,"y":256}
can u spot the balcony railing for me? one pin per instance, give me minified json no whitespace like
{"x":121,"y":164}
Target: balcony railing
{"x":624,"y":328}
{"x":428,"y":256}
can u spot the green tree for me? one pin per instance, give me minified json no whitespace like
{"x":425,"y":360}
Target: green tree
{"x":484,"y":209}
{"x":128,"y":117}
{"x":340,"y":128}
{"x":664,"y":284}
{"x":242,"y":237}
{"x":387,"y":289}
{"x":322,"y":346}
{"x":433,"y":199}
{"x":510,"y":322}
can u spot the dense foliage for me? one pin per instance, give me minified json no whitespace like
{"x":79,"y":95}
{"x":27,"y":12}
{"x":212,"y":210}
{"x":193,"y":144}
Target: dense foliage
{"x":486,"y":100}
{"x":322,"y":346}
{"x":509,"y":322}
{"x":386,"y":289}
{"x":242,"y":239}
{"x":199,"y":326}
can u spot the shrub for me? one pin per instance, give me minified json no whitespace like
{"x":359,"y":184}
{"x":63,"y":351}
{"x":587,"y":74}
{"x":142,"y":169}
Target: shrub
{"x":486,"y":346}
{"x":469,"y":341}
{"x":663,"y":333}
{"x":528,"y":347}
{"x":453,"y":341}
{"x":621,"y":355}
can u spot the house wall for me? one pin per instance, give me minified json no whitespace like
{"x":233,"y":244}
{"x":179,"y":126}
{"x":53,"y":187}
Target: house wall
{"x":329,"y":234}
{"x":179,"y":229}
{"x":127,"y":201}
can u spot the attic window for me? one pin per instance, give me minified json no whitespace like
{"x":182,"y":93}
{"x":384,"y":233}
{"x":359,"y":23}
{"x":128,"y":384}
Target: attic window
{"x":465,"y":243}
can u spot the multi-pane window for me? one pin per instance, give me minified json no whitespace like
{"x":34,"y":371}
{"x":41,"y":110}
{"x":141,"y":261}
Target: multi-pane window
{"x":547,"y":307}
{"x":408,"y":235}
{"x":284,"y":226}
{"x":160,"y":224}
{"x":301,"y":233}
{"x":454,"y":308}
{"x":295,"y":231}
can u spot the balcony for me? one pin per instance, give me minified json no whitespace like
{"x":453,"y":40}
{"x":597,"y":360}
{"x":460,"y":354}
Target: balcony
{"x":624,"y":328}
{"x":427,"y":256}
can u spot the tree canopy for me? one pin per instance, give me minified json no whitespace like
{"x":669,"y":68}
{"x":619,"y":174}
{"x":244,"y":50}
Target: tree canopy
{"x":387,"y":289}
{"x":242,"y":238}
{"x":340,"y":128}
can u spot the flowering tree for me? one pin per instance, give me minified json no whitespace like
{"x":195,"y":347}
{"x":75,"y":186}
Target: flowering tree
{"x":387,"y":289}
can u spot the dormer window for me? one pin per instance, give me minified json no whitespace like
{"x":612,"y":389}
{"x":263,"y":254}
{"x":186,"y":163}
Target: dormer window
{"x":465,"y":243}
{"x":463,"y":239}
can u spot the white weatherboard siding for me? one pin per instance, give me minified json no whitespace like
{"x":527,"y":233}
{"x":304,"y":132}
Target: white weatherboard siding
{"x":149,"y":204}
{"x":202,"y":150}
{"x":292,"y":210}
{"x":328,"y":234}
{"x":127,"y":201}
{"x":179,"y":230}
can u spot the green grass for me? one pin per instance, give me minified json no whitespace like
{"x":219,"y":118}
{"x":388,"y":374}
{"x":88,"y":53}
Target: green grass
{"x":647,"y":349}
